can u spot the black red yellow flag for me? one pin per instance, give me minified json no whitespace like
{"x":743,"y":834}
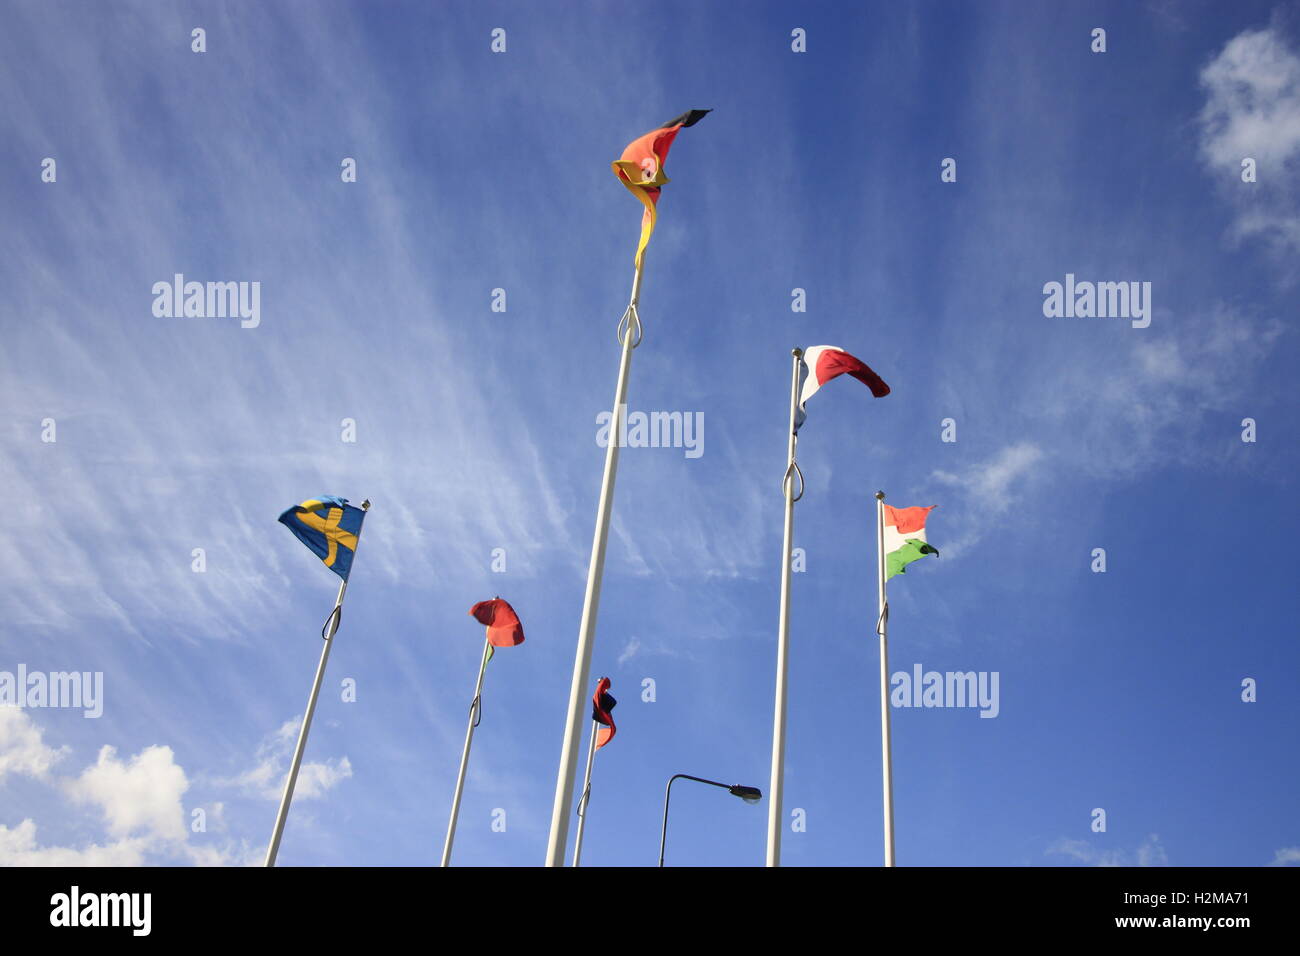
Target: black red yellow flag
{"x":641,"y":169}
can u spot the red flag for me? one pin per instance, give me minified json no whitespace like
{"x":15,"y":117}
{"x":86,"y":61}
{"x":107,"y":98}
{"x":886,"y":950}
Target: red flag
{"x":503,"y":627}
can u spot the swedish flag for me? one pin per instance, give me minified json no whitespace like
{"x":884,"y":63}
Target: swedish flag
{"x":330,"y":527}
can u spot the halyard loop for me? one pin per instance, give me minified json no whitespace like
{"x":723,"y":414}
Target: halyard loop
{"x":631,"y":321}
{"x":791,"y":470}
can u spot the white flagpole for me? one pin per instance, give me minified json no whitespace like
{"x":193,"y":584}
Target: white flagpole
{"x":882,"y":628}
{"x":286,"y":798}
{"x":475,"y":709}
{"x":585,"y":799}
{"x":774,"y":814}
{"x":559,"y":837}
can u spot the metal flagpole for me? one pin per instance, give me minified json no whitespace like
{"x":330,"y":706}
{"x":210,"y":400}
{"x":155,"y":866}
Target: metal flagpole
{"x":559,"y":837}
{"x":586,"y":794}
{"x":332,"y":626}
{"x":774,"y":819}
{"x":475,"y":711}
{"x":882,"y":628}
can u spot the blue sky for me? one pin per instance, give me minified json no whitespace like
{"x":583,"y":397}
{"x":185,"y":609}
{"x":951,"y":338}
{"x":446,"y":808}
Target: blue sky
{"x":476,"y":430}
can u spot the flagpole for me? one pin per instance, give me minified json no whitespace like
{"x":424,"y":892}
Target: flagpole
{"x":774,"y":816}
{"x":586,"y":794}
{"x":286,"y":798}
{"x":559,"y":836}
{"x":475,"y":710}
{"x":882,"y":628}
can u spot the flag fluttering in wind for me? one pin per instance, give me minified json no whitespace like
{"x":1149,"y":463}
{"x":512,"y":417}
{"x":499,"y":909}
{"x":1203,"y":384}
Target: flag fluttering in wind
{"x":503,"y":630}
{"x":905,"y":538}
{"x":810,"y":369}
{"x":329,"y":526}
{"x":900,"y":539}
{"x":503,"y":627}
{"x":602,"y":732}
{"x":821,"y":363}
{"x":641,"y":169}
{"x":602,"y":712}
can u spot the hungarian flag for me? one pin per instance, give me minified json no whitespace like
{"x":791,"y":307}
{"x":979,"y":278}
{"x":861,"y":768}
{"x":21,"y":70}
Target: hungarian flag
{"x":503,"y":627}
{"x":821,"y":363}
{"x":641,"y":169}
{"x":602,"y":712}
{"x":905,"y":538}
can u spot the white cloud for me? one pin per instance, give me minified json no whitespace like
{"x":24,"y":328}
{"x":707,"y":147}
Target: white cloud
{"x":141,"y":795}
{"x":314,"y":779}
{"x":138,"y":799}
{"x":1149,"y":853}
{"x":989,"y":489}
{"x":1286,"y":855}
{"x":22,"y":749}
{"x":629,"y":651}
{"x":1144,"y":397}
{"x":636,"y":648}
{"x":1252,"y":109}
{"x":266,"y":778}
{"x":18,"y":847}
{"x":991,"y":481}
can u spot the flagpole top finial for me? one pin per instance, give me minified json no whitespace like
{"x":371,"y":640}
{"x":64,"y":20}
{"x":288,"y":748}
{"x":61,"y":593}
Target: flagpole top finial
{"x":880,"y":496}
{"x":365,"y":505}
{"x":797,"y":353}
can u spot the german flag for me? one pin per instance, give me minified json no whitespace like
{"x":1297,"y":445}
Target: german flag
{"x":602,"y":712}
{"x":641,"y":169}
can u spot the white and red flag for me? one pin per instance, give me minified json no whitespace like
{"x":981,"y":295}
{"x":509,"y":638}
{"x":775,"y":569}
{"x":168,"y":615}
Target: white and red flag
{"x":821,"y":363}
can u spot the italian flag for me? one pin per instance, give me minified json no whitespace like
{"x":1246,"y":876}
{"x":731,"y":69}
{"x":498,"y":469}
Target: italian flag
{"x":905,"y":538}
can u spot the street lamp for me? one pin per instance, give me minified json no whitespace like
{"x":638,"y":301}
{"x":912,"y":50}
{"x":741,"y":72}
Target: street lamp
{"x":748,"y":794}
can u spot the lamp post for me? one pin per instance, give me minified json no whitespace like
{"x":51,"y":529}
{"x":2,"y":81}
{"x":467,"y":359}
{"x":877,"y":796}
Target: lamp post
{"x":748,"y":794}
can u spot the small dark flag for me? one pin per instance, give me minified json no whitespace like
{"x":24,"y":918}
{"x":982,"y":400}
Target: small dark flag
{"x":602,"y":712}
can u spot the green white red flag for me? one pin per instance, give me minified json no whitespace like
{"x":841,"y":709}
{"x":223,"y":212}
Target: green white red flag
{"x":905,"y":538}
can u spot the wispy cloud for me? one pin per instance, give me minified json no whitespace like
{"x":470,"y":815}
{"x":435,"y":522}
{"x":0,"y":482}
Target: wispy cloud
{"x":266,"y":778}
{"x":1252,"y":110}
{"x":988,"y":490}
{"x":630,"y":650}
{"x":1286,"y":856}
{"x":1149,"y":853}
